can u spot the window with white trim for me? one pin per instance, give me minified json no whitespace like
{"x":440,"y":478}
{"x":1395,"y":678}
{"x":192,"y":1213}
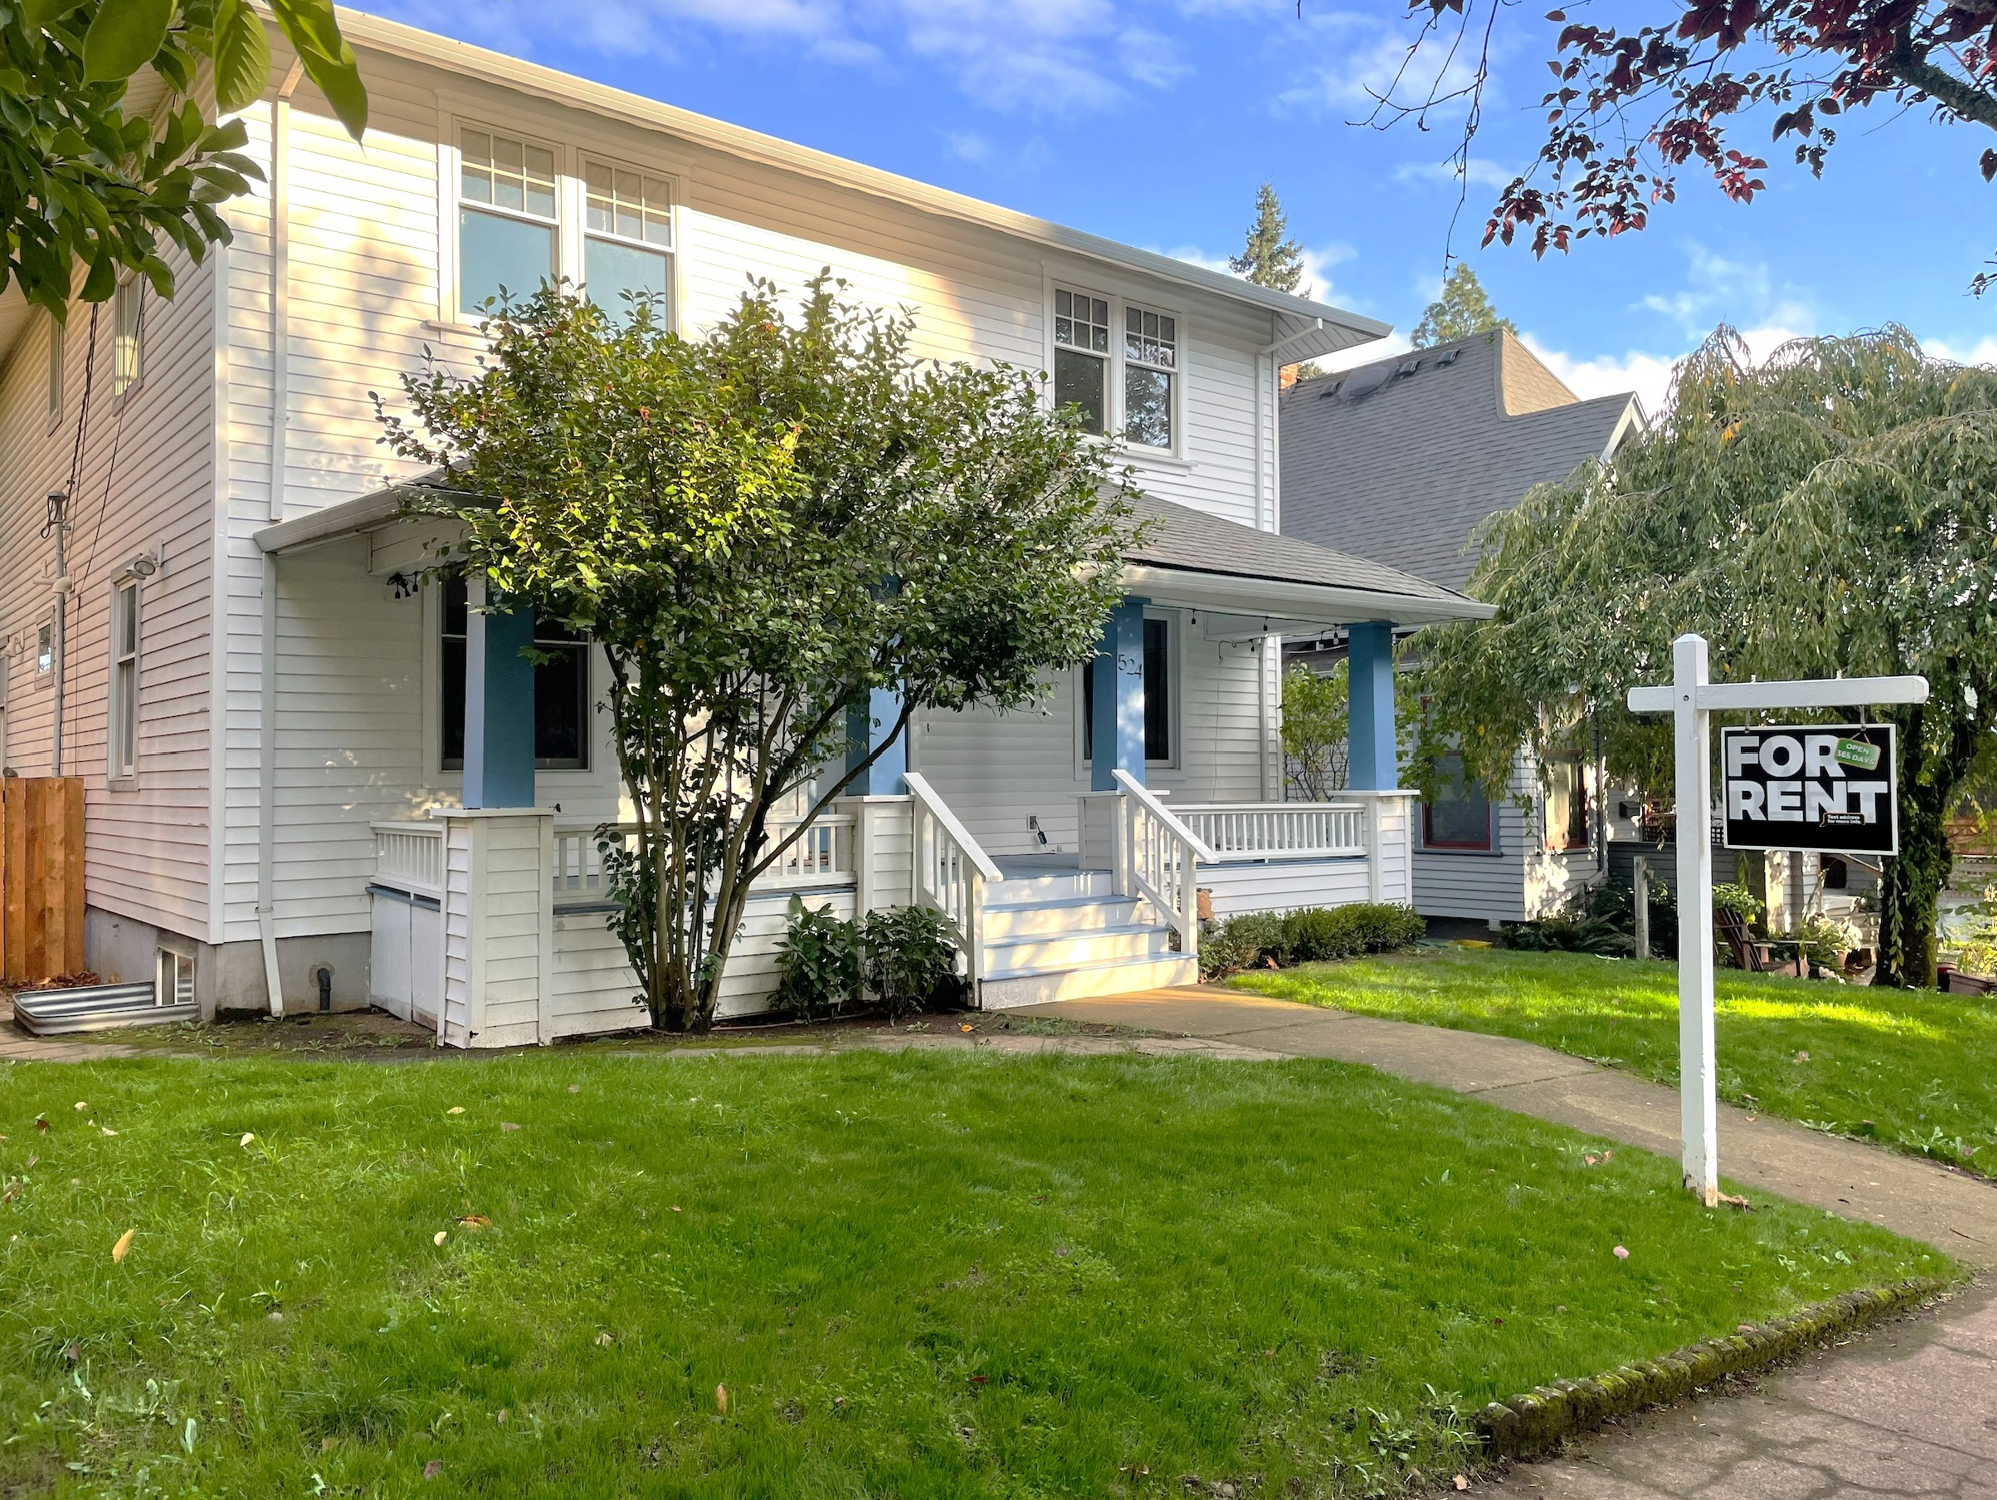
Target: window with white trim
{"x":55,"y":369}
{"x":128,"y":320}
{"x":123,"y":737}
{"x":1150,"y":373}
{"x":44,"y":650}
{"x":627,"y":238}
{"x":1082,"y":356}
{"x":506,"y":217}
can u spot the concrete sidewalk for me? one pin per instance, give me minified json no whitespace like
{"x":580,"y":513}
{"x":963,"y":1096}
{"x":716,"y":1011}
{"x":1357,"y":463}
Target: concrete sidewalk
{"x":1909,"y":1410}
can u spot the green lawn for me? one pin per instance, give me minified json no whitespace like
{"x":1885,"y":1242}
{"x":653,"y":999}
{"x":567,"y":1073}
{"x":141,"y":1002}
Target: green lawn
{"x":922,"y":1275}
{"x":1915,"y":1070}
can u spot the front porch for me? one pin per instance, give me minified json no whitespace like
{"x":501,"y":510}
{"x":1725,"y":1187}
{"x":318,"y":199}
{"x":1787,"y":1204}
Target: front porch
{"x":1073,"y":847}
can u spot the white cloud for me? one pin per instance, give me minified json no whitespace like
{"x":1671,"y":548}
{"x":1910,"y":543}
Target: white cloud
{"x":1741,"y":293}
{"x":1479,"y":173}
{"x":1647,"y":372}
{"x":1359,"y":59}
{"x":1318,"y":263}
{"x":1982,"y":352}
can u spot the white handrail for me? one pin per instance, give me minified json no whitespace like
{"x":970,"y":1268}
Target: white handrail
{"x":410,"y":856}
{"x":1240,"y":831}
{"x":1158,"y":857}
{"x":951,"y":872}
{"x":821,"y":856}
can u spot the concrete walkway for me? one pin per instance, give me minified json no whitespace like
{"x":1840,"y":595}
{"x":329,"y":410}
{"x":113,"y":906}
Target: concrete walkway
{"x":1909,"y":1410}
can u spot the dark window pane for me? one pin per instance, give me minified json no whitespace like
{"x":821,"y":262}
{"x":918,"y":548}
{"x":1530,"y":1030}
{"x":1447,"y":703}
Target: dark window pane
{"x":1078,"y":381}
{"x":455,"y":606}
{"x":1157,"y":690}
{"x":1089,"y":711}
{"x":454,"y":703}
{"x":1459,"y":816}
{"x":1147,"y":407}
{"x":561,"y":710}
{"x":495,"y":251}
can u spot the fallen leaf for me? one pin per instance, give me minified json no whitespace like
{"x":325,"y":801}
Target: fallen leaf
{"x":1497,"y":1322}
{"x":605,"y":1339}
{"x":1735,"y":1201}
{"x":506,"y":1125}
{"x":1560,"y":1307}
{"x":42,"y":1124}
{"x":474,"y":1221}
{"x":248,"y":1136}
{"x":1743,"y":1328}
{"x":11,"y":1192}
{"x":966,"y":1026}
{"x":721,"y":1399}
{"x":1461,"y":1483}
{"x":1590,"y":1158}
{"x":29,"y":1164}
{"x":120,"y":1250}
{"x":1621,"y":1253}
{"x":433,"y":1468}
{"x":455,"y":1109}
{"x":440,"y":1236}
{"x":81,"y":1106}
{"x":107,"y":1130}
{"x":575,"y":1088}
{"x":1608,"y":1156}
{"x":1802,"y":1057}
{"x":676,"y":1208}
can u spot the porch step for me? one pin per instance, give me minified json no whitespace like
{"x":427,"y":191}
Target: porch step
{"x":1064,"y":914}
{"x":1039,"y":952}
{"x":1116,"y":977}
{"x":1058,"y":884}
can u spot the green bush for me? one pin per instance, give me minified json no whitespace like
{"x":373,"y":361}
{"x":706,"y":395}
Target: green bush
{"x":818,"y":963}
{"x":1738,"y":898}
{"x":909,"y":961}
{"x":1308,"y":935}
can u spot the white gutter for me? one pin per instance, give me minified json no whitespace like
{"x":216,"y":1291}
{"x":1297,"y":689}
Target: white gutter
{"x":1320,"y":603}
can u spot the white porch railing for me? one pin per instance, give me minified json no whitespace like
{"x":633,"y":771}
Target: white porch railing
{"x":951,"y":872}
{"x":1158,"y":858}
{"x":821,"y":856}
{"x":1279,"y":830}
{"x":410,"y":857}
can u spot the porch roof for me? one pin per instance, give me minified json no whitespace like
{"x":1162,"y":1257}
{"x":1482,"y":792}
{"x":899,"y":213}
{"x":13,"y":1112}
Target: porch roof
{"x":1263,"y":582}
{"x":1190,"y":557}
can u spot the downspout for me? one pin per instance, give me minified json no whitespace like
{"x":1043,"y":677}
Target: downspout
{"x":280,"y":337}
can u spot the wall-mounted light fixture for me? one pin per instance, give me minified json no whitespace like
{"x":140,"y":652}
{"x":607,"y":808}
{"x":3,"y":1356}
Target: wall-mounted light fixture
{"x":143,"y":566}
{"x":401,"y":586}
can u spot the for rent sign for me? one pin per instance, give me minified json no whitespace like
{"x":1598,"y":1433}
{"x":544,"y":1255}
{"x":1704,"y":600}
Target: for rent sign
{"x":1827,"y":787}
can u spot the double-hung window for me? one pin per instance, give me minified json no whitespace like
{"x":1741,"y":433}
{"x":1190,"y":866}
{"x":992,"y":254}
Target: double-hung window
{"x":506,"y":217}
{"x":128,"y":327}
{"x":1458,"y":816}
{"x":44,"y":650}
{"x":1082,"y":356}
{"x":627,"y":238}
{"x":561,"y":689}
{"x":124,"y":726}
{"x":1150,"y":370}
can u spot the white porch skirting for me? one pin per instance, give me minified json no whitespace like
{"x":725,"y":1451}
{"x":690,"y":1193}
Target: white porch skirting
{"x":492,"y":922}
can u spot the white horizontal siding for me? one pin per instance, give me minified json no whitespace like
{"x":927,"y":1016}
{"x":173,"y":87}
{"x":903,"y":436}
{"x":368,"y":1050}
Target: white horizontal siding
{"x":1518,"y":881}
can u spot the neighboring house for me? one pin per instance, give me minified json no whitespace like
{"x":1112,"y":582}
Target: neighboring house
{"x":1400,"y":460}
{"x":297,"y":772}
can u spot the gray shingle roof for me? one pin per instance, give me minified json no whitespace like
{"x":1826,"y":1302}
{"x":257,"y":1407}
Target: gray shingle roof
{"x":1400,"y":468}
{"x":1193,"y":541}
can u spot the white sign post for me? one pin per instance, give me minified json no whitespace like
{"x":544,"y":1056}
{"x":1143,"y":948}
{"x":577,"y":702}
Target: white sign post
{"x":1691,"y":700}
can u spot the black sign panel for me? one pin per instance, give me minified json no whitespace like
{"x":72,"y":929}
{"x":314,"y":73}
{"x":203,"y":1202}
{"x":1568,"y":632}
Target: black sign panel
{"x":1827,"y":787}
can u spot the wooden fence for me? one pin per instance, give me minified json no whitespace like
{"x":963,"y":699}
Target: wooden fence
{"x":41,"y":877}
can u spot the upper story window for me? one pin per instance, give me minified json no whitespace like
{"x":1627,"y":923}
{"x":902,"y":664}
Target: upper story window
{"x":55,"y":373}
{"x":123,"y":737}
{"x":627,"y":237}
{"x":1082,"y":356}
{"x":506,"y":217}
{"x":1150,"y":369}
{"x":128,"y":325}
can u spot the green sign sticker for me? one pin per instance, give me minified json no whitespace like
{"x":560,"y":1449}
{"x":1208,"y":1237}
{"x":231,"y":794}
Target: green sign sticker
{"x":1858,"y":754}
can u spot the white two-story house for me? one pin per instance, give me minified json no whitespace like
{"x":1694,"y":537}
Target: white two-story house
{"x":268,"y":705}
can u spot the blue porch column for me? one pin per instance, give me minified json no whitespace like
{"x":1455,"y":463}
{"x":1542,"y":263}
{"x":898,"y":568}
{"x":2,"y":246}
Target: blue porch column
{"x":867,"y":722}
{"x":1375,"y":759}
{"x":499,"y":705}
{"x":1116,"y":732}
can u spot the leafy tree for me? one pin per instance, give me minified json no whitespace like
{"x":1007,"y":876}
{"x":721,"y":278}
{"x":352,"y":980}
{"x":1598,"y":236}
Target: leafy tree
{"x":761,"y":527}
{"x":1635,"y":104}
{"x":1317,"y":729}
{"x":1831,"y":511}
{"x":1270,"y":258}
{"x":85,"y":179}
{"x":1461,"y":310}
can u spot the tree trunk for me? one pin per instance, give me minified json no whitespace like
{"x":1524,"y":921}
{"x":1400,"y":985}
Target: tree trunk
{"x":1911,"y":884}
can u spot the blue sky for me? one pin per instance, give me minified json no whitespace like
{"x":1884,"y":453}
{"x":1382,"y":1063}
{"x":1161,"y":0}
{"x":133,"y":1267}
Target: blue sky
{"x":1152,"y":121}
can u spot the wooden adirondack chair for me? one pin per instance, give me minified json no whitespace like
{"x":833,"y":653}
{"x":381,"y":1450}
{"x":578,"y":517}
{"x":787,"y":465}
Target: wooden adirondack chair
{"x":1757,"y":955}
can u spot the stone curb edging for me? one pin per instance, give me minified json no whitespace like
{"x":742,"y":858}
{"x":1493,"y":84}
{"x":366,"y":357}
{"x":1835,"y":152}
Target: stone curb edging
{"x":1529,"y":1425}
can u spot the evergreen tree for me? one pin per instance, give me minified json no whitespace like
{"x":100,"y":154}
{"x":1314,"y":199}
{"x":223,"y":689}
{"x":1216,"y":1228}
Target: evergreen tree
{"x":1460,"y":311}
{"x":1270,"y":258}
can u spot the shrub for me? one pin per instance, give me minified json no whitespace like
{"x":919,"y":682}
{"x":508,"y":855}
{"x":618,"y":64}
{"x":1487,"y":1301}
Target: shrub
{"x":1738,"y":898}
{"x":909,"y":961}
{"x":1308,"y":935}
{"x":818,"y":963}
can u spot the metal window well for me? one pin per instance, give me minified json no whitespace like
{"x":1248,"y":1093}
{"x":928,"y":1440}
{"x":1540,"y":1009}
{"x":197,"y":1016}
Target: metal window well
{"x":102,"y":1007}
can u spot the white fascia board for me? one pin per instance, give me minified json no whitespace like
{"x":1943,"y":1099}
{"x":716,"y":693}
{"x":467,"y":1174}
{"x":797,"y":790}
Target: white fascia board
{"x":363,"y":30}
